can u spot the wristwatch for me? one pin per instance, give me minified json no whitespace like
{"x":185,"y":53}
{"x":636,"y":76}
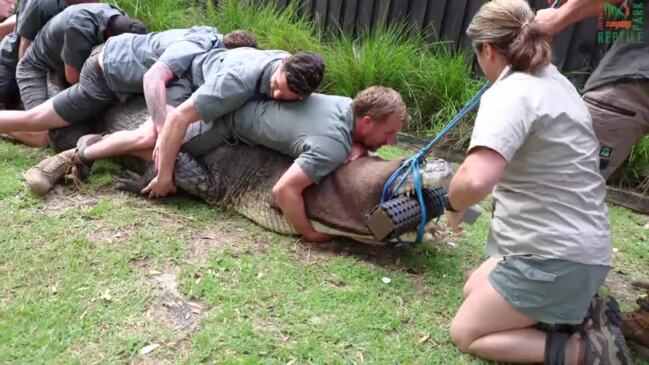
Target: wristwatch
{"x":448,"y":206}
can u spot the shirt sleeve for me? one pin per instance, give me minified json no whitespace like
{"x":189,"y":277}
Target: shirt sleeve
{"x":179,"y":55}
{"x":223,"y":92}
{"x":322,"y":157}
{"x":78,"y":42}
{"x":502,"y":124}
{"x":30,"y":21}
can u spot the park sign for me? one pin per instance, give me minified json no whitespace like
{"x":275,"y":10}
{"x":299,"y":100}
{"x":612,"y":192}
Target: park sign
{"x":625,"y":21}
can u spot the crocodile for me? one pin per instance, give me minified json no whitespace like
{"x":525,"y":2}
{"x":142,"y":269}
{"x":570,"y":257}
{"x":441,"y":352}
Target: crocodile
{"x":241,"y":177}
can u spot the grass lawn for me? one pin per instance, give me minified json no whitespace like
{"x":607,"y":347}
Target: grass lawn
{"x":96,"y":276}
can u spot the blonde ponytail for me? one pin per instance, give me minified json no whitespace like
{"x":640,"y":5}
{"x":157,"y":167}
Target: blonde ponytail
{"x":508,"y":25}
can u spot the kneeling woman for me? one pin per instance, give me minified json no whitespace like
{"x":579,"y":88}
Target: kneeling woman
{"x":549,"y":244}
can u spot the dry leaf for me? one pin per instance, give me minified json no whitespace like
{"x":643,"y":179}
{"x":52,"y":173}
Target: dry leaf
{"x":423,"y":339}
{"x":148,"y":349}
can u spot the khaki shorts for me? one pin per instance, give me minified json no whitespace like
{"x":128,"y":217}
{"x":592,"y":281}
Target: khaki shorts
{"x":92,"y":94}
{"x":548,"y":290}
{"x":620,"y":113}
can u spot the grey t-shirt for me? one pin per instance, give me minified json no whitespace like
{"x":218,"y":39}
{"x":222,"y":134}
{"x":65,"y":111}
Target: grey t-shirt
{"x":549,"y":201}
{"x":625,"y":60}
{"x":226,"y":79}
{"x":70,"y":36}
{"x":127,"y":57}
{"x":316,"y":131}
{"x":31,"y":16}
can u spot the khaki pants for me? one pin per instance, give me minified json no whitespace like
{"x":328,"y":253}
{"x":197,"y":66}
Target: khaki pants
{"x":620,"y":115}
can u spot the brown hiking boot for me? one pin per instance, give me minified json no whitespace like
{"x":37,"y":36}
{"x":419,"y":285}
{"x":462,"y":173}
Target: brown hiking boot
{"x":42,"y":177}
{"x":605,"y":343}
{"x":635,"y":325}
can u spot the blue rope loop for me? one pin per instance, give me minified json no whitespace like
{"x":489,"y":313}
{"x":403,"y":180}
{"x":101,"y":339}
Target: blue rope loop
{"x":411,"y":166}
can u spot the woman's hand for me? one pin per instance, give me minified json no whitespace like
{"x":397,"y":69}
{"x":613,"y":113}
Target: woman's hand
{"x":454,"y":221}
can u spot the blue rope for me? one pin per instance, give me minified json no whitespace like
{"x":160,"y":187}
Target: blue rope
{"x":410,"y":167}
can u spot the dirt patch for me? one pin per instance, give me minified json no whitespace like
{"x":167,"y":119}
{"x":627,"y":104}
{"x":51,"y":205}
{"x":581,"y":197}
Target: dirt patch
{"x":381,"y":255}
{"x":171,"y":309}
{"x":180,"y":314}
{"x":62,"y":199}
{"x":110,"y":235}
{"x":221,"y":235}
{"x":620,"y":286}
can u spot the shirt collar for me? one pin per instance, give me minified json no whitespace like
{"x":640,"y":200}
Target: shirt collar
{"x":266,"y":75}
{"x":505,"y":72}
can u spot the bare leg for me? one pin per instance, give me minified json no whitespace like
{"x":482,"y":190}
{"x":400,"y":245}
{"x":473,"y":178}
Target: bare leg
{"x":479,"y":275}
{"x":487,"y":326}
{"x":41,"y":118}
{"x":124,"y":142}
{"x":144,"y":154}
{"x":32,"y":139}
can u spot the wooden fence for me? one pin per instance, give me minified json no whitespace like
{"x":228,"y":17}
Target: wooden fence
{"x":576,"y":49}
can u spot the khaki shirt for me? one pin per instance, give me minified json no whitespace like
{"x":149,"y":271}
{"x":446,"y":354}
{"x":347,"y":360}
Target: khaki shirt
{"x":127,"y":57}
{"x":549,"y":201}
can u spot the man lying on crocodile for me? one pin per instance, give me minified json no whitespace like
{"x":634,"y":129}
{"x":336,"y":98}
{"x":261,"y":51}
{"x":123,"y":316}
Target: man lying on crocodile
{"x":317,"y":132}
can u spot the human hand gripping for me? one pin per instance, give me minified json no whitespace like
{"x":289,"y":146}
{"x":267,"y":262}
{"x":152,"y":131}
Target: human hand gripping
{"x":454,"y":221}
{"x":160,"y":187}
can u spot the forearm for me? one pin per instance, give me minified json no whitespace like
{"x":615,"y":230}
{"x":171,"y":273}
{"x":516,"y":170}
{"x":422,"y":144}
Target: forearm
{"x":552,"y":21}
{"x":7,"y":26}
{"x":155,"y":95}
{"x":292,"y":205}
{"x":24,"y":44}
{"x":171,"y":139}
{"x":575,"y":11}
{"x":476,"y":177}
{"x":466,"y":190}
{"x":155,"y":91}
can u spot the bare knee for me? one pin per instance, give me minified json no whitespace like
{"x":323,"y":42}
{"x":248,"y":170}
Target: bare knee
{"x":144,"y":139}
{"x":461,"y":334}
{"x":468,"y":286}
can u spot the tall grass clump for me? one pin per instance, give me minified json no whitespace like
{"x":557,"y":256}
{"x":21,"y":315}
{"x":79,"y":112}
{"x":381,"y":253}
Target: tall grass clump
{"x":163,"y":14}
{"x":636,"y":171}
{"x":434,"y":81}
{"x":274,"y":29}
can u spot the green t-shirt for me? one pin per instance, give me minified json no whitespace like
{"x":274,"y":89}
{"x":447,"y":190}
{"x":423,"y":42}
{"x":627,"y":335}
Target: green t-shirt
{"x":316,"y":131}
